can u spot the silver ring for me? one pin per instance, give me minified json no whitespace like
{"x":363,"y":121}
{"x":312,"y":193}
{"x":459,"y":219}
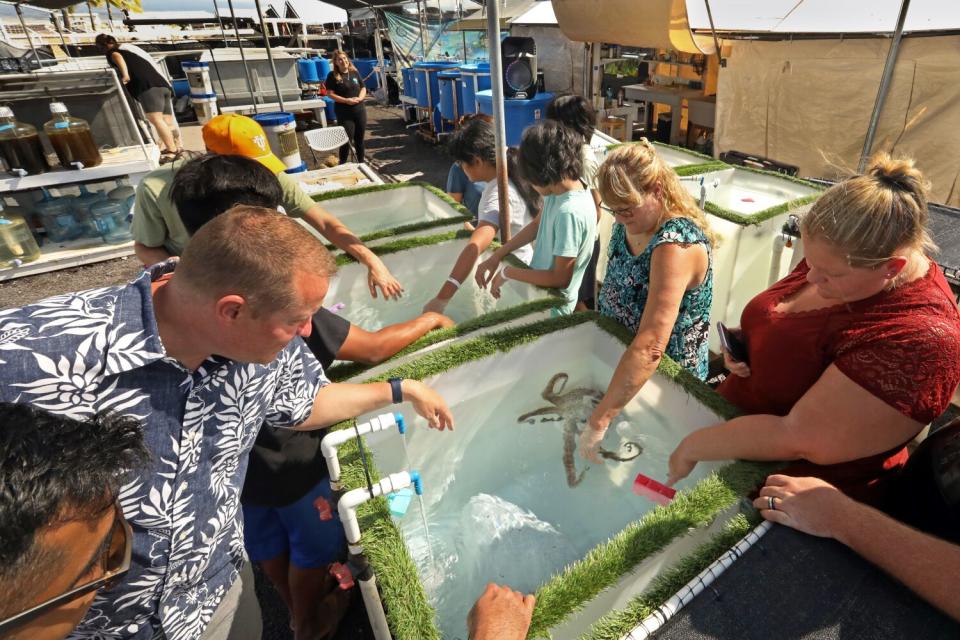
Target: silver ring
{"x":771,"y":504}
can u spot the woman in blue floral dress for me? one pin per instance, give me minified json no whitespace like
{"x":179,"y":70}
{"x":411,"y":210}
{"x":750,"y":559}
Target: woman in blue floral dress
{"x":659,"y":280}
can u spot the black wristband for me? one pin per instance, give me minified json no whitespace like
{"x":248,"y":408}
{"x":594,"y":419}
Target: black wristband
{"x":396,"y":389}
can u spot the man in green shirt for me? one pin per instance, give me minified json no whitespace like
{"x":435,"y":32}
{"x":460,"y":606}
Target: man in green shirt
{"x":158,"y":231}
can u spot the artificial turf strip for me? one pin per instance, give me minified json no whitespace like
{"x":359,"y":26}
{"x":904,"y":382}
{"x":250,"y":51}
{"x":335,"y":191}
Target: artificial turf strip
{"x":617,"y":624}
{"x":606,"y":563}
{"x":410,"y":615}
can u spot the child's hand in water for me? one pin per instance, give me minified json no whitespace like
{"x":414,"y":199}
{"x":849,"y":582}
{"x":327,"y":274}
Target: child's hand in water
{"x":497,"y":282}
{"x":437,"y":305}
{"x":485,"y":271}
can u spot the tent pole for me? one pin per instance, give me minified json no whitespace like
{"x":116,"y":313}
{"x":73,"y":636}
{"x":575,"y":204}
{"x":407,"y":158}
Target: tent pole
{"x":90,"y":11}
{"x":243,"y":57}
{"x":885,"y":80}
{"x":266,"y":42}
{"x":499,"y":128}
{"x":223,"y":34}
{"x":423,"y":31}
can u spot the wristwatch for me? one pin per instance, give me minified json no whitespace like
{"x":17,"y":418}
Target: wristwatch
{"x":396,"y":389}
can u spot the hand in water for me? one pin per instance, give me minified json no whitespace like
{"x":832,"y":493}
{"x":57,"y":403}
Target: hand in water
{"x":436,"y":305}
{"x":486,"y":270}
{"x":428,"y":404}
{"x":680,"y":465}
{"x":379,"y":277}
{"x":500,"y":614}
{"x":496,"y":283}
{"x":440,"y":321}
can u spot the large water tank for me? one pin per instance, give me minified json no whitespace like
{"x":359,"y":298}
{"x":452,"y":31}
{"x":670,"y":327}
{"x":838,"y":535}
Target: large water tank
{"x":451,"y":95}
{"x":473,"y":78}
{"x":518,"y":114}
{"x":428,"y":86}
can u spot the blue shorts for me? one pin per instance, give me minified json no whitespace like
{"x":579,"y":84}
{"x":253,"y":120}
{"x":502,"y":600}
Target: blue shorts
{"x":269,"y":532}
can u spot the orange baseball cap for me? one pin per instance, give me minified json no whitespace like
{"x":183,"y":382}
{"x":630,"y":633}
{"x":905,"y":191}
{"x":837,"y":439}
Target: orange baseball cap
{"x":236,"y":135}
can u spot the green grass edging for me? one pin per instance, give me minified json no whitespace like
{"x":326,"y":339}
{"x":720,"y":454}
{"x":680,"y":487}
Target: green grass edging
{"x":409,"y":613}
{"x":617,"y":624}
{"x":413,"y":227}
{"x":709,"y":162}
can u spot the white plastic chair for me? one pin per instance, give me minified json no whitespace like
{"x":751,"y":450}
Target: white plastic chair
{"x":327,"y":139}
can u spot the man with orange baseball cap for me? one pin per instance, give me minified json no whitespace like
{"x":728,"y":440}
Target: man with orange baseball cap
{"x":159,"y":233}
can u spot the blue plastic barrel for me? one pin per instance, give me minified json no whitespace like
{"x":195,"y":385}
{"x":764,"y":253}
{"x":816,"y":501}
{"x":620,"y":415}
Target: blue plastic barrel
{"x":307,"y":71}
{"x":181,"y":87}
{"x":473,"y":78}
{"x":519,"y":114}
{"x":331,"y":111}
{"x":323,"y":68}
{"x":365,"y":68}
{"x":428,"y":86}
{"x":451,"y":94}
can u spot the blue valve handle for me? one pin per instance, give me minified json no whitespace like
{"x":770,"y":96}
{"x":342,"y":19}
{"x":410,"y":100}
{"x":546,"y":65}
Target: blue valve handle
{"x":417,"y":482}
{"x":401,"y":426}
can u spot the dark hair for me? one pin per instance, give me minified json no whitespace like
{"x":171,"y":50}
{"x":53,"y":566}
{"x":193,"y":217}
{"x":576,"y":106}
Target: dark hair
{"x":550,"y":153}
{"x":54,"y":469}
{"x":205,"y":187}
{"x":105,"y":41}
{"x":575,"y":112}
{"x":475,"y":140}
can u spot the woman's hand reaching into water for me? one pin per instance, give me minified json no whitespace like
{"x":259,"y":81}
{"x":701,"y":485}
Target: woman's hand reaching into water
{"x":592,"y":436}
{"x":379,"y":277}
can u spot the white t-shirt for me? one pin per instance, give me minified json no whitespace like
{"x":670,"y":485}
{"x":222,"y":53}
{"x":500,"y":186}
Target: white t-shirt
{"x":489,"y":211}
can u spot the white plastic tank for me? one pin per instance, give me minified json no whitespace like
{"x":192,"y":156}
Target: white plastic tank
{"x":198,"y":77}
{"x":205,"y":106}
{"x":281,"y":130}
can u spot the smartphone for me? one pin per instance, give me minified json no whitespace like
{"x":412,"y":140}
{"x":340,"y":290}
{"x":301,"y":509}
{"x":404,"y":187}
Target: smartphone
{"x":732,"y":344}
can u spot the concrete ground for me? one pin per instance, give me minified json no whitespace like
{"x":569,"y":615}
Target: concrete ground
{"x":396,"y":152}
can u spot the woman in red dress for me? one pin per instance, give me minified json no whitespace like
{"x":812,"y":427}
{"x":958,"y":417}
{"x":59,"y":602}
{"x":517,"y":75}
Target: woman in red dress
{"x":853,"y":353}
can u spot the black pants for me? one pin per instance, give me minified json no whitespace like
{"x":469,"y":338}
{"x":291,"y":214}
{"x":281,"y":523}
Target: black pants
{"x":353,"y":118}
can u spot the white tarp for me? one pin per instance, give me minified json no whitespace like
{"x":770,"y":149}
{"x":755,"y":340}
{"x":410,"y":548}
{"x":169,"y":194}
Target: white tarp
{"x":808,"y":103}
{"x":822,"y":16}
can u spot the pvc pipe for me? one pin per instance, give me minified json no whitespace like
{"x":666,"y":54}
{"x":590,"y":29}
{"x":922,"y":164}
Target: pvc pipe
{"x":779,"y":242}
{"x":26,"y":32}
{"x":335,"y":439}
{"x":347,"y":507}
{"x":375,"y":613}
{"x":499,"y":127}
{"x":243,"y":57}
{"x":888,"y":68}
{"x":692,"y":589}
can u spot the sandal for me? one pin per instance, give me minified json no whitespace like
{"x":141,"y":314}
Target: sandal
{"x":167,"y":157}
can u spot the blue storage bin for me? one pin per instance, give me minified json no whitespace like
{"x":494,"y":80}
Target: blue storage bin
{"x":473,"y":78}
{"x":428,"y":85}
{"x":451,"y":95}
{"x":181,"y":87}
{"x":519,"y":114}
{"x":409,"y":84}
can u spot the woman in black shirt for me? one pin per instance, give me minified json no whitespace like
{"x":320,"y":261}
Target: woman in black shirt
{"x":345,"y":87}
{"x":147,"y":87}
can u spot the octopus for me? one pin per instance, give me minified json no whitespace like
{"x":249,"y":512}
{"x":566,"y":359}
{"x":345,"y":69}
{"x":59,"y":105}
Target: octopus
{"x":566,"y":407}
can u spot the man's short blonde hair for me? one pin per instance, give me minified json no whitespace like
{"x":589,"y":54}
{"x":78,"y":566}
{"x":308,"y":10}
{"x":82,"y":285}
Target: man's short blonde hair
{"x":256,"y":253}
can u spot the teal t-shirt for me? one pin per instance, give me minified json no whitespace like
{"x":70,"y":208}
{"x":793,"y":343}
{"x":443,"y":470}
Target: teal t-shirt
{"x":568,"y":226}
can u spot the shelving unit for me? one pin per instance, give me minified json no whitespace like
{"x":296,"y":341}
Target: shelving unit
{"x":96,"y":95}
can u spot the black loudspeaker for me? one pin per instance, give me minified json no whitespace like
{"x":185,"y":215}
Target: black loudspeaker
{"x":519,"y":68}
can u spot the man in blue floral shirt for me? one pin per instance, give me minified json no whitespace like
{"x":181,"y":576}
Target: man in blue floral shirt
{"x":202,"y":356}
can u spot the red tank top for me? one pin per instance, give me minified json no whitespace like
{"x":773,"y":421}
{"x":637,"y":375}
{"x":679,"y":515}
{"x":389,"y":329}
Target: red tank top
{"x":903,"y":346}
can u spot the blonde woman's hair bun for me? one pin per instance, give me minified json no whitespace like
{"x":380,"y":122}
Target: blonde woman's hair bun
{"x":898,"y":173}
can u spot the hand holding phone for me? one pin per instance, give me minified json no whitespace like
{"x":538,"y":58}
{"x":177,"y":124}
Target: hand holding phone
{"x":732,"y":344}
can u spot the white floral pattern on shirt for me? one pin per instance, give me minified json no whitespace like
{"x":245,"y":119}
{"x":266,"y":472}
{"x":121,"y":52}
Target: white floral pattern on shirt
{"x":81,"y":353}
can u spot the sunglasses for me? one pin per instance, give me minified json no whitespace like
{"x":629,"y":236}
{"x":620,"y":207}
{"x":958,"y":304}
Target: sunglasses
{"x":115,"y":562}
{"x":617,"y":212}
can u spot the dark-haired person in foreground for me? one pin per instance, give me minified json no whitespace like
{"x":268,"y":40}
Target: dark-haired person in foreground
{"x":203,"y":351}
{"x":159,"y":233}
{"x":287,"y":474}
{"x":63,"y":536}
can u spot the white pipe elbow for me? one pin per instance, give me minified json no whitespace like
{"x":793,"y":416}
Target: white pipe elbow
{"x":335,"y":439}
{"x":348,"y":503}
